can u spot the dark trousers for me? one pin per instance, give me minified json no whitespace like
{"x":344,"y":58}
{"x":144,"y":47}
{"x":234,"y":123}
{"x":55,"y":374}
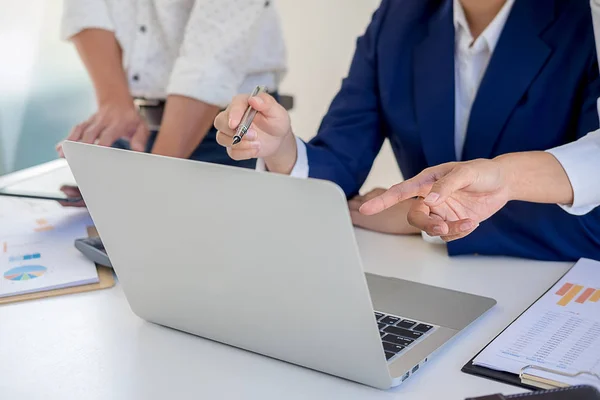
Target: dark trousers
{"x":208,"y":151}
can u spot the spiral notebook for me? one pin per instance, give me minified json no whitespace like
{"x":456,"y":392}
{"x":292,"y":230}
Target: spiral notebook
{"x":555,"y":342}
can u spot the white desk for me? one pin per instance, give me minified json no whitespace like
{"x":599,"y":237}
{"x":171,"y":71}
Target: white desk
{"x":91,"y":346}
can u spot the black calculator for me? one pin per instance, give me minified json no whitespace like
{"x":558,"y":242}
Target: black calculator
{"x":94,"y":250}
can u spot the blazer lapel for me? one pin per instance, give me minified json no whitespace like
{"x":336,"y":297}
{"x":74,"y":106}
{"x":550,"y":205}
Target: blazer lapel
{"x":516,"y":61}
{"x":433,"y":69}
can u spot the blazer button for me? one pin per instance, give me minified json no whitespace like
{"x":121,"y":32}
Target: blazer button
{"x":136,"y":77}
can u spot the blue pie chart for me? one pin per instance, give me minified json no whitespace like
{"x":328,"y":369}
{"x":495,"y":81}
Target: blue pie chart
{"x":25,"y":272}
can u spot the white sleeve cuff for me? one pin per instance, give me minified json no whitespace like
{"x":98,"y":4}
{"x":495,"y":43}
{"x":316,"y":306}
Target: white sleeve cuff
{"x":432,"y":239}
{"x":580,"y":160}
{"x":300,"y":169}
{"x":210,"y":82}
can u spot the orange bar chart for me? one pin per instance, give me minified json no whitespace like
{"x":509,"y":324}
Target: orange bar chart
{"x":587,"y":293}
{"x":564,"y":289}
{"x":566,"y":299}
{"x":569,"y":291}
{"x":43,"y":225}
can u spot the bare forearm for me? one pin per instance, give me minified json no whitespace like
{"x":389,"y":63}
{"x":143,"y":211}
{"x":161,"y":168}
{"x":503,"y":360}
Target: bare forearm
{"x":536,"y":177}
{"x":185,"y":123}
{"x":101,"y":55}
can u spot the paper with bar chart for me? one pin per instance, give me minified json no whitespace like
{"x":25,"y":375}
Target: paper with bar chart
{"x":34,"y":260}
{"x":20,"y":216}
{"x":561,"y":331}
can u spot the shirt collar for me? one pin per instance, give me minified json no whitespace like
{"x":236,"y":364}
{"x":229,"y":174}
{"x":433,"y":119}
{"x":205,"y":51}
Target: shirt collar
{"x":491,"y":34}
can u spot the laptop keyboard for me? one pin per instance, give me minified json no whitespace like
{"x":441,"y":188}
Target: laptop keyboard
{"x":398,"y":334}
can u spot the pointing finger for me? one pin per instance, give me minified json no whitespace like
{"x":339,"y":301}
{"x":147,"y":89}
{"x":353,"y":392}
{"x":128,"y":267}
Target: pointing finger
{"x":458,"y":178}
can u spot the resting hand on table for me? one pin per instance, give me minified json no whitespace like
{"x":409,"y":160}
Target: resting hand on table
{"x":457,"y":197}
{"x":270,"y":136}
{"x":392,"y":220}
{"x":114,"y":120}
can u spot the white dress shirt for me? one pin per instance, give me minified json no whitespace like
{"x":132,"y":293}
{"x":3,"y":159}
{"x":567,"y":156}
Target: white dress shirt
{"x":209,"y":50}
{"x":581,"y":159}
{"x":471,"y":58}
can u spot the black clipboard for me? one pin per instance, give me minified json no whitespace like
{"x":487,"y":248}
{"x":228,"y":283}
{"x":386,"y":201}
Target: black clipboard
{"x":500,"y":376}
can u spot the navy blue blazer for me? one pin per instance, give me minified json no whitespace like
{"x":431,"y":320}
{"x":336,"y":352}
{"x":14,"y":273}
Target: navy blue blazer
{"x":539,"y":91}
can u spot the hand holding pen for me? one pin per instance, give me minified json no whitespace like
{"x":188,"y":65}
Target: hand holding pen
{"x":261,"y":124}
{"x":248,"y":117}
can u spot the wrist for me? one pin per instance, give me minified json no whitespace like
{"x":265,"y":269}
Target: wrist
{"x":509,"y":175}
{"x":121,"y":100}
{"x":285,"y":157}
{"x":535,"y":176}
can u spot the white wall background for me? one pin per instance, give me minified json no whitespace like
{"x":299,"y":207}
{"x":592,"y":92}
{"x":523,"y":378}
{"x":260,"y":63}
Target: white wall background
{"x":44,"y":89}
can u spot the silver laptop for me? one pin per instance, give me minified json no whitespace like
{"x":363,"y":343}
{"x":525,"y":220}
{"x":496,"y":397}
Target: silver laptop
{"x":262,"y":262}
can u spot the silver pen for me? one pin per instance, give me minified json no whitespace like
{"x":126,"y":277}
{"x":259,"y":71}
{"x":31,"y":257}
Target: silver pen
{"x":248,"y":117}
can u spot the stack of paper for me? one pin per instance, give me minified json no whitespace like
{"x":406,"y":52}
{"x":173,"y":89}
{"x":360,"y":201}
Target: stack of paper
{"x":560,"y":333}
{"x":36,"y":247}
